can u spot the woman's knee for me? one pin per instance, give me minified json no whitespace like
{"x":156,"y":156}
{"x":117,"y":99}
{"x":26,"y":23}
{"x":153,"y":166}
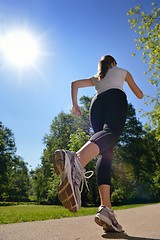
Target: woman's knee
{"x":108,"y":154}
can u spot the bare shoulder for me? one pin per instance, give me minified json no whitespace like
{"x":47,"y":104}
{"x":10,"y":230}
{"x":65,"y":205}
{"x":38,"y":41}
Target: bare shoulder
{"x":129,"y":77}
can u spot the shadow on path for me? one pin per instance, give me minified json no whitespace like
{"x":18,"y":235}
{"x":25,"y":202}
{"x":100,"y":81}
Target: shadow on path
{"x":125,"y":236}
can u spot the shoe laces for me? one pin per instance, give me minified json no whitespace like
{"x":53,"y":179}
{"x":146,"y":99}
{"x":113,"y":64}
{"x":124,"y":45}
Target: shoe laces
{"x":84,"y":179}
{"x":79,"y":174}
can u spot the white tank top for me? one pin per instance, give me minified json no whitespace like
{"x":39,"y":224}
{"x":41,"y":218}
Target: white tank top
{"x":114,"y":78}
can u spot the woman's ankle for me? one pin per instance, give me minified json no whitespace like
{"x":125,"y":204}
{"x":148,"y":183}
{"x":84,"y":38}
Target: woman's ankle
{"x":107,"y":205}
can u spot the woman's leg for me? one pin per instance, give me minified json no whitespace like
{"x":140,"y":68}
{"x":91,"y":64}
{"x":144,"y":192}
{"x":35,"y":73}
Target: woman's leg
{"x":91,"y":150}
{"x":107,"y":122}
{"x":103,"y":171}
{"x":104,"y":193}
{"x":87,"y":153}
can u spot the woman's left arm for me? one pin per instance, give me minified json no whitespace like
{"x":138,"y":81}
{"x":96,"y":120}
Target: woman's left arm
{"x":133,"y":86}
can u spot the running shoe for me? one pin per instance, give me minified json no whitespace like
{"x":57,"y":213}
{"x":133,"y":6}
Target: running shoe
{"x":68,"y":167}
{"x":106,"y":218}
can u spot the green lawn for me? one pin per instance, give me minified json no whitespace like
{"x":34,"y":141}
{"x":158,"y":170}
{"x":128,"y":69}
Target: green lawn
{"x":28,"y":213}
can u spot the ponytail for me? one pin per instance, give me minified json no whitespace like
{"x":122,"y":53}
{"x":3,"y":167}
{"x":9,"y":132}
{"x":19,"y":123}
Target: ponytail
{"x":103,"y":66}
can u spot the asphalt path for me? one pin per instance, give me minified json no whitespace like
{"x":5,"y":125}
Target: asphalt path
{"x":141,"y":223}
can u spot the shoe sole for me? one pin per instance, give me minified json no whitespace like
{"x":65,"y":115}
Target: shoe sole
{"x":106,"y":226}
{"x":65,"y":192}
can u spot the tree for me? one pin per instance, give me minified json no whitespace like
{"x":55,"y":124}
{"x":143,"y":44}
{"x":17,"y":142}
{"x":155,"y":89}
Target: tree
{"x":7,"y":154}
{"x":150,"y":171}
{"x":66,"y":132}
{"x":132,"y":165}
{"x":135,"y":164}
{"x":131,"y":143}
{"x":126,"y":161}
{"x":14,"y":178}
{"x":146,"y":26}
{"x":39,"y":186}
{"x":133,"y":127}
{"x":61,"y":128}
{"x":17,"y":188}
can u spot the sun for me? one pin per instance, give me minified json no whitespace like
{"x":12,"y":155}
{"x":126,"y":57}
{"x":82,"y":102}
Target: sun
{"x":20,"y":48}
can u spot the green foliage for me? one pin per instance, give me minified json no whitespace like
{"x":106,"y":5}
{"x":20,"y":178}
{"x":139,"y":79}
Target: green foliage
{"x":132,"y":168}
{"x":122,"y":180}
{"x":38,"y":183}
{"x":77,"y":140}
{"x":7,"y":153}
{"x":146,"y":26}
{"x":133,"y":127}
{"x":153,"y":124}
{"x":136,"y":164}
{"x":66,"y":132}
{"x":18,"y":184}
{"x":14,"y":178}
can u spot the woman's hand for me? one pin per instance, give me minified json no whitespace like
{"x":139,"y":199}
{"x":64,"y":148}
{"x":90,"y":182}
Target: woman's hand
{"x":76,"y":110}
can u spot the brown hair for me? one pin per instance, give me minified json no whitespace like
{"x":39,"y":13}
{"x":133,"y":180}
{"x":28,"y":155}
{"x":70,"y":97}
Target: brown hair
{"x":104,"y":64}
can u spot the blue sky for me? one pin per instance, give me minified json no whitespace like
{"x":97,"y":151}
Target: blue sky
{"x":72,"y":36}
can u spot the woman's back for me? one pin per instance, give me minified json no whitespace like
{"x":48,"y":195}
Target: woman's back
{"x":114,"y":78}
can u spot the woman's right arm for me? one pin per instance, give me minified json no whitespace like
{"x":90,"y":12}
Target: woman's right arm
{"x":133,"y":86}
{"x":74,"y":93}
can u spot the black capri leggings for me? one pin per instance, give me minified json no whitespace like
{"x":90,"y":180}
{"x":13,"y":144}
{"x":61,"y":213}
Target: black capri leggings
{"x":108,"y":113}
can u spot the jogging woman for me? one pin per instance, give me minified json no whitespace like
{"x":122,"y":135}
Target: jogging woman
{"x":108,"y":113}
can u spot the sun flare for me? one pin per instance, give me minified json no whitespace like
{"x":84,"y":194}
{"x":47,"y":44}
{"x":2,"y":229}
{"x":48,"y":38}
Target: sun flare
{"x":20,"y":48}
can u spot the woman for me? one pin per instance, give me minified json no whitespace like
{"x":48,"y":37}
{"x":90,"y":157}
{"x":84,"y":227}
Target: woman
{"x":108,"y":112}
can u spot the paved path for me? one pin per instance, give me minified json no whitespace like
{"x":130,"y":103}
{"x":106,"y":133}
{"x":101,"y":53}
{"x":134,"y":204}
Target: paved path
{"x":142,"y":223}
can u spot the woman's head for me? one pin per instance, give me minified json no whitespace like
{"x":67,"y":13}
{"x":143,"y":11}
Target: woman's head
{"x":104,"y":64}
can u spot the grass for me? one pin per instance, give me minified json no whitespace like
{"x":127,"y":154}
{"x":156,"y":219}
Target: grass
{"x":28,"y":213}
